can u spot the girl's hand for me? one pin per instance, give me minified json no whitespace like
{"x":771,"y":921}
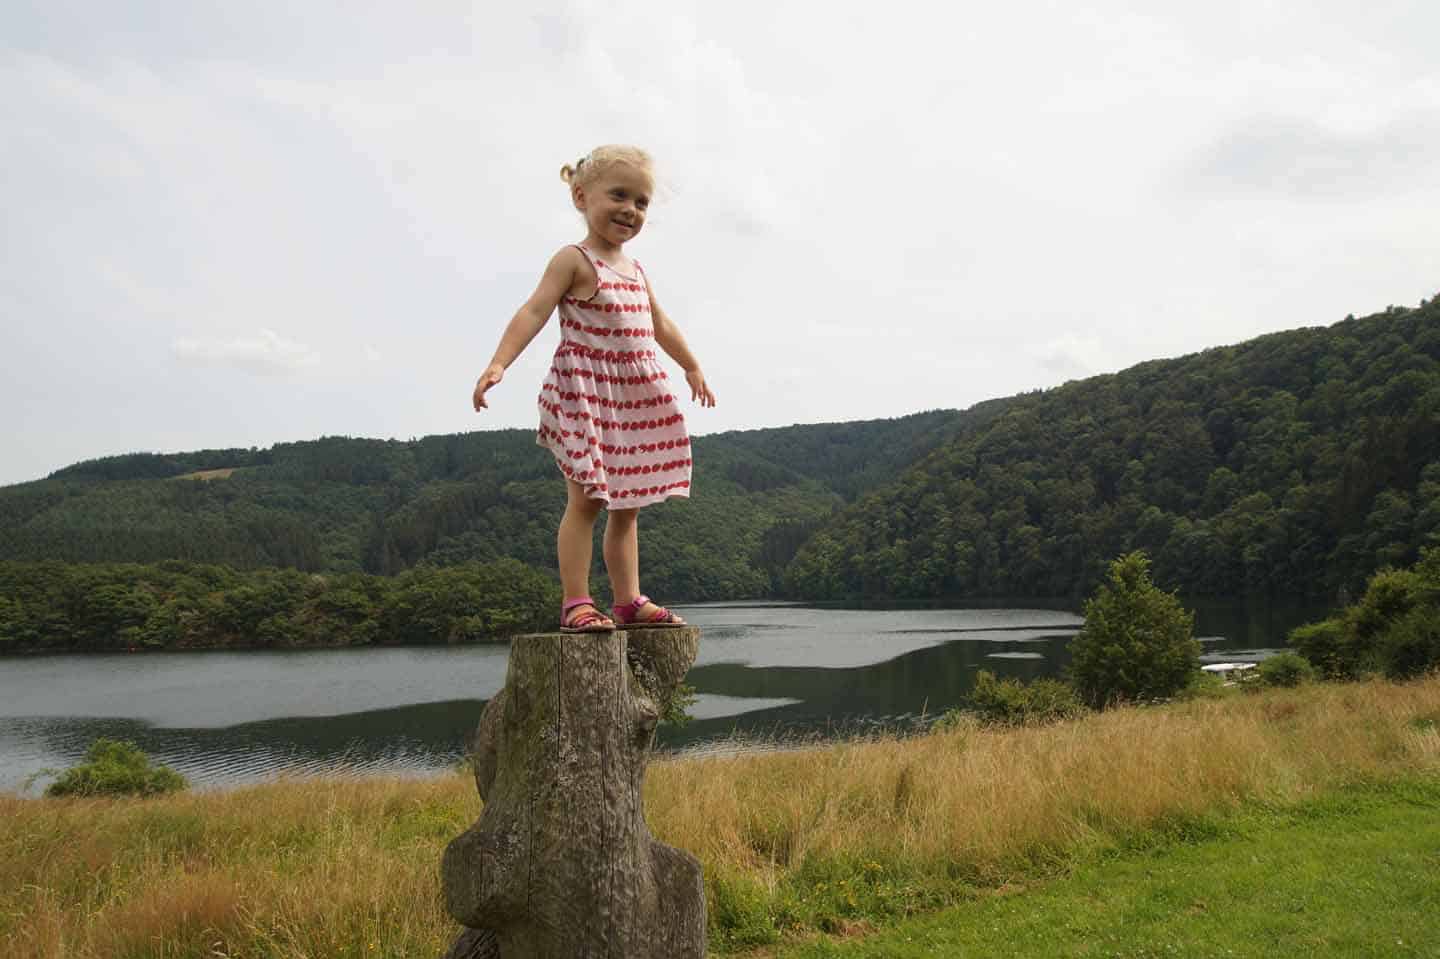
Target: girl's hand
{"x":493,"y":374}
{"x":699,"y":389}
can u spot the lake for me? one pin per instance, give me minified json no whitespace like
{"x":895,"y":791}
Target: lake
{"x":767,"y":674}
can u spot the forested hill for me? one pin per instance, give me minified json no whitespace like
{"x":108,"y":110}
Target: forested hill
{"x":343,"y":505}
{"x":1294,"y":464}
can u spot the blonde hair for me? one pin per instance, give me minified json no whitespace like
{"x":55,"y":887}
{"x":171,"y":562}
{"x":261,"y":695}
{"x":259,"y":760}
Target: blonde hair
{"x":588,"y":168}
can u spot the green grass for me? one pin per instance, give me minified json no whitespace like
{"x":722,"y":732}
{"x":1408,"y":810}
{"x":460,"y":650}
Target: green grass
{"x":1354,"y":873}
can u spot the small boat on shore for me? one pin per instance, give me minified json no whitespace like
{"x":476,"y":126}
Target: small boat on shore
{"x":1231,"y":672}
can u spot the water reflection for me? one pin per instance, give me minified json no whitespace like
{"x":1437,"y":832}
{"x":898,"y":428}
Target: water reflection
{"x":894,"y":693}
{"x":417,"y":739}
{"x":764,"y":670}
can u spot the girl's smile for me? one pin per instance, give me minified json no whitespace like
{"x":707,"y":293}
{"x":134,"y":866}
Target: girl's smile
{"x":615,"y":205}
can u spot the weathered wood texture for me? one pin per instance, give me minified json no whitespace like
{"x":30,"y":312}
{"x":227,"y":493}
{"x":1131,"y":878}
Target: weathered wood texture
{"x":561,"y":863}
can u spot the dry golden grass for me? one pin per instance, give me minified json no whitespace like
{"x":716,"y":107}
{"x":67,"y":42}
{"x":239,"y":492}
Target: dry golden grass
{"x":291,"y":869}
{"x":989,"y":802}
{"x":333,"y":869}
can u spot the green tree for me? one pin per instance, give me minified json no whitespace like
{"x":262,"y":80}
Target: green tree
{"x":1137,"y":642}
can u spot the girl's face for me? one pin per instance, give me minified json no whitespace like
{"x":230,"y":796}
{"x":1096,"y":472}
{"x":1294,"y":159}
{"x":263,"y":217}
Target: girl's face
{"x":615,"y":203}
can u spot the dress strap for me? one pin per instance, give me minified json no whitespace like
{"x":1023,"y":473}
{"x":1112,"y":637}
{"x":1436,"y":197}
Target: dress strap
{"x":596,"y":263}
{"x":588,"y":256}
{"x":594,"y":268}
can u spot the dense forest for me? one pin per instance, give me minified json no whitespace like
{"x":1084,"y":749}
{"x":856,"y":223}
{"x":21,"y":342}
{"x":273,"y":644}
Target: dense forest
{"x":1294,"y":465}
{"x":340,"y":505}
{"x":61,"y":607}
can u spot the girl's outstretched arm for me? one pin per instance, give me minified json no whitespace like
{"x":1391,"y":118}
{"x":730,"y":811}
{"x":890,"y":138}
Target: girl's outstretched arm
{"x":528,"y":320}
{"x":667,"y":334}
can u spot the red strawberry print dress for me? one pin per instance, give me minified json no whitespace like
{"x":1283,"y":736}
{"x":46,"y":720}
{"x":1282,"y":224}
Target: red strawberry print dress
{"x":606,"y":409}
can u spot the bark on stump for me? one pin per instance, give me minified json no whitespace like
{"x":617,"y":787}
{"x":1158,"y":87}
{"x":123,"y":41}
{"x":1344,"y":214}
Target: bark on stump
{"x":561,"y":863}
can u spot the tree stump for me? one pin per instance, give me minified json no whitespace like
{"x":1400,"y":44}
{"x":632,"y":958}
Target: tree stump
{"x":561,"y":863}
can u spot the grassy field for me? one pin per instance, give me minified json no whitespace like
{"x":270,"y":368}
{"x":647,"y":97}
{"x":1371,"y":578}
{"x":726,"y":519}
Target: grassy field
{"x":843,"y":839}
{"x":1352,"y":874}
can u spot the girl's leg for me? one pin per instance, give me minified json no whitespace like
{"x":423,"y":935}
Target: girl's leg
{"x":622,"y":559}
{"x":573,"y":541}
{"x":622,"y":553}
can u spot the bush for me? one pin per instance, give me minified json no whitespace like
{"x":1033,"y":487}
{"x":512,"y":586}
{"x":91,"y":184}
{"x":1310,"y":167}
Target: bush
{"x":1394,"y":628}
{"x":1203,"y":685}
{"x":1390,"y":594}
{"x":116,"y":768}
{"x":1327,"y":646}
{"x":1410,"y":647}
{"x":1286,"y":669}
{"x":1010,"y":702}
{"x":1137,"y":643}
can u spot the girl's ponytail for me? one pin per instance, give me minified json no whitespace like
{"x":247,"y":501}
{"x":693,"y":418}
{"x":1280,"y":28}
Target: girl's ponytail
{"x":568,"y":173}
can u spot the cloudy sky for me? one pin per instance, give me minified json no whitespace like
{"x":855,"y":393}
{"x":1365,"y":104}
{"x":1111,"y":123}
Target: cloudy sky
{"x":238,"y":224}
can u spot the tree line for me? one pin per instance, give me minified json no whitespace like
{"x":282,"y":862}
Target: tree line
{"x":60,"y":607}
{"x":341,"y":505}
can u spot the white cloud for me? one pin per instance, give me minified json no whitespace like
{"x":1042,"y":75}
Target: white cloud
{"x":1307,"y":158}
{"x":905,"y":207}
{"x":265,"y":351}
{"x":1071,"y":356}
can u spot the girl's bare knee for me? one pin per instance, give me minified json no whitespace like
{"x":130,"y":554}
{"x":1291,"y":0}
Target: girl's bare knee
{"x":621,"y":518}
{"x":580,"y":504}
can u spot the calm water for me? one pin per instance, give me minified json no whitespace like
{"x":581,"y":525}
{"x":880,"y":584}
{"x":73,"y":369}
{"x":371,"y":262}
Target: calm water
{"x":766,"y":671}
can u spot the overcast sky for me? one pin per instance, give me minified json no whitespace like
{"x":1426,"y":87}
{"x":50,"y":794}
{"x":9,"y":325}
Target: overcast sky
{"x":238,"y":224}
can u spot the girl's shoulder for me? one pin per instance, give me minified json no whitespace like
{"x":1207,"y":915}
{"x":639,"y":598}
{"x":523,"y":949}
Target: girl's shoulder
{"x":570,"y":263}
{"x":584,"y":278}
{"x":571,"y":255}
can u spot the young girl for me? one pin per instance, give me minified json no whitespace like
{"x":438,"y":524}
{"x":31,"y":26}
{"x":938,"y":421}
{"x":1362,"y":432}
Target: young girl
{"x":606,"y":408}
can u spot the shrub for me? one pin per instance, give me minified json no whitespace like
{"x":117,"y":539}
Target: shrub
{"x":116,"y":768}
{"x":1411,"y":645}
{"x":1390,"y":594}
{"x":1137,"y":642}
{"x":1286,"y":669}
{"x":1327,"y":646}
{"x":1203,"y":685}
{"x":1010,"y":702}
{"x":1394,"y":628}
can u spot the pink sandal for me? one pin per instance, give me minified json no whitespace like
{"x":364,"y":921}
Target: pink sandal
{"x":625,"y":614}
{"x":592,"y":621}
